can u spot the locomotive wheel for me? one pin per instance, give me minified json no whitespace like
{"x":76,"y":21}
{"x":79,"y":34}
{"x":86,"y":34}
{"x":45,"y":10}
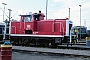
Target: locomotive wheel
{"x":52,"y":45}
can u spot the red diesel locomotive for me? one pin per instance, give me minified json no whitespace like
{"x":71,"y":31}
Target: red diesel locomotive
{"x":35,"y":30}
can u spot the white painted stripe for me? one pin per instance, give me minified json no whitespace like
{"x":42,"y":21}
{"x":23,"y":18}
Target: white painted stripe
{"x":36,"y":35}
{"x":67,"y":27}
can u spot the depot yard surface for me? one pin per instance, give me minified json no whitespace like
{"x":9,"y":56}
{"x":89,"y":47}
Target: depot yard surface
{"x":85,"y":53}
{"x":37,"y":56}
{"x":32,"y":53}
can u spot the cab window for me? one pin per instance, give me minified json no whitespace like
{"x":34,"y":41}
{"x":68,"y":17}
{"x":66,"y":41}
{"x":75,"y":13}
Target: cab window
{"x":28,"y":19}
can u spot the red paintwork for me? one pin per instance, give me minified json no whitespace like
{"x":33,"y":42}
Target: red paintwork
{"x":45,"y":27}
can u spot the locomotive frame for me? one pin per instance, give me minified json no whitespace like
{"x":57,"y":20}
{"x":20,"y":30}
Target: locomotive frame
{"x":51,"y":32}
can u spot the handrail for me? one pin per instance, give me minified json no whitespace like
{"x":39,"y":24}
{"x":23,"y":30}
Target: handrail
{"x":15,"y":29}
{"x":61,"y":27}
{"x":2,"y":30}
{"x":20,"y":24}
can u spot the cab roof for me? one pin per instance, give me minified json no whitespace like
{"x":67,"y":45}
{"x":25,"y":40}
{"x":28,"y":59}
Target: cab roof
{"x":24,"y":15}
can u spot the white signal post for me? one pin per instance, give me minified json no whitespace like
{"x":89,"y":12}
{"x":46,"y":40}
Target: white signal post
{"x":3,"y":20}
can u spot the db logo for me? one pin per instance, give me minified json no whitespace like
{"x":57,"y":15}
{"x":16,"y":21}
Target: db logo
{"x":28,"y":27}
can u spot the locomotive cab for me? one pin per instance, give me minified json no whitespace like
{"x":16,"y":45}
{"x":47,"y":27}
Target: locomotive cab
{"x":29,"y":18}
{"x":26,"y":18}
{"x":32,"y":20}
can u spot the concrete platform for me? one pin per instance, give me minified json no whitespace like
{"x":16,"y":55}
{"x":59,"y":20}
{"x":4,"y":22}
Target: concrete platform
{"x":54,"y":51}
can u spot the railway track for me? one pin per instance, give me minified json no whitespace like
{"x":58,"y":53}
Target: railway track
{"x":66,"y":46}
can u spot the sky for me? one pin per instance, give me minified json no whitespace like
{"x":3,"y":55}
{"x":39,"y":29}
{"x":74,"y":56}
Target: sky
{"x":56,"y":9}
